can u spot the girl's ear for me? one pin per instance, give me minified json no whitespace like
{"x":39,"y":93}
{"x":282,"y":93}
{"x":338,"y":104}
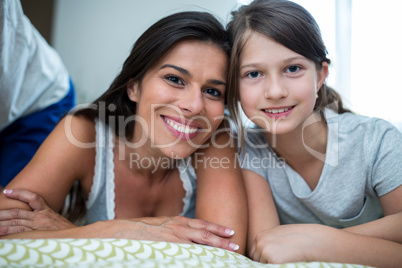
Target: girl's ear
{"x":322,"y":75}
{"x":133,"y":91}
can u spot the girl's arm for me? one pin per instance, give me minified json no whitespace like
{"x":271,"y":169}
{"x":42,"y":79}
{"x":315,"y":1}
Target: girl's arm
{"x":314,"y":242}
{"x":221,"y":196}
{"x":375,"y":244}
{"x":389,"y":227}
{"x":261,"y":207}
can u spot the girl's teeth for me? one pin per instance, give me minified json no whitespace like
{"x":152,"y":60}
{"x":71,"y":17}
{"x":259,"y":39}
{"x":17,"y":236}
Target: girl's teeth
{"x":276,"y":111}
{"x":180,"y":127}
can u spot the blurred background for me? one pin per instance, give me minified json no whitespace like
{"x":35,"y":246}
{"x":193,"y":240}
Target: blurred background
{"x":363,"y":38}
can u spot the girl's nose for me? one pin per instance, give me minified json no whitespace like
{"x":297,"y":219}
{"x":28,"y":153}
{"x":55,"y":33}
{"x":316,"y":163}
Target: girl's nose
{"x":274,"y":89}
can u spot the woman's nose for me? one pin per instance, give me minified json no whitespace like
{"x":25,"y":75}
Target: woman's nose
{"x":191,"y":102}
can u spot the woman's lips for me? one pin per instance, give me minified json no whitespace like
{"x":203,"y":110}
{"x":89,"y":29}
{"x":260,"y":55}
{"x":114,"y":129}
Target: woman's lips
{"x":181,"y":129}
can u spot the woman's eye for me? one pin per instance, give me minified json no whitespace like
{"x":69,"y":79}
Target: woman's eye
{"x":174,"y":79}
{"x":293,"y":69}
{"x":213,"y":92}
{"x":253,"y":74}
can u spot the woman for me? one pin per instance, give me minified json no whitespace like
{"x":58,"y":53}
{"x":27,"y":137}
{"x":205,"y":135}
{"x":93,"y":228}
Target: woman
{"x":333,"y":177}
{"x":131,"y":149}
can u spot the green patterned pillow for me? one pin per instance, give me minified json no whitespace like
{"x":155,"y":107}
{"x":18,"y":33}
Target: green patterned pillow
{"x":126,"y":253}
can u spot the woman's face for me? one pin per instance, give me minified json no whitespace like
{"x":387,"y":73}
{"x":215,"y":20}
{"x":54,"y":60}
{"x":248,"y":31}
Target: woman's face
{"x":180,"y":100}
{"x":278,"y":86}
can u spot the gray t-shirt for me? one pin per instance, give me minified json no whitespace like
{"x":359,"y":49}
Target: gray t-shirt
{"x":363,"y":161}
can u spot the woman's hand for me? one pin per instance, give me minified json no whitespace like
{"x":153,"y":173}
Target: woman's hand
{"x":176,"y":229}
{"x":171,"y":229}
{"x":42,"y":217}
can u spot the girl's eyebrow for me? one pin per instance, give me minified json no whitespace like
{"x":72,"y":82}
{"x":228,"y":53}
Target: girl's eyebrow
{"x":186,"y":72}
{"x":250,"y":65}
{"x":295,"y":58}
{"x":257,"y":65}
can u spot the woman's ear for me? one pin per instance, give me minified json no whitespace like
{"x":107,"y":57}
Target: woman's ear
{"x":133,"y":91}
{"x":322,"y":75}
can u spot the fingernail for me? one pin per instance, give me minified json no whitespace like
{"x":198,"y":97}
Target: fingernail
{"x":234,"y":246}
{"x":229,"y":231}
{"x":6,"y":191}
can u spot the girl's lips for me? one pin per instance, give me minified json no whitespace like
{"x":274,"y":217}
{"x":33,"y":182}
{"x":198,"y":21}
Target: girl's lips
{"x":180,"y":130}
{"x":278,"y":112}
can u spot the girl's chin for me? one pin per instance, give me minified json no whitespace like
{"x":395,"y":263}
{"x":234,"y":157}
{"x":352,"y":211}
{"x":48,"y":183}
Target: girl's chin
{"x":277,"y":128}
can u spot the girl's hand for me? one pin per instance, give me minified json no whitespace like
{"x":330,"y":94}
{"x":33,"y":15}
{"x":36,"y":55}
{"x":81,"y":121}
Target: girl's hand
{"x":291,"y":243}
{"x":42,"y":217}
{"x":175,"y":229}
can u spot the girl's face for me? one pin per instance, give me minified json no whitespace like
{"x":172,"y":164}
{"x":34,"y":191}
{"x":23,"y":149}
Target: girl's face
{"x":278,"y":87}
{"x":180,"y":100}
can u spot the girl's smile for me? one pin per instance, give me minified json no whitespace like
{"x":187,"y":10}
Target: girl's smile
{"x":278,"y":112}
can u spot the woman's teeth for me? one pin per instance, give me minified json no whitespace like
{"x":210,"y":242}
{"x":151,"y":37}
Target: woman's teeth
{"x":179,"y":127}
{"x":276,"y":111}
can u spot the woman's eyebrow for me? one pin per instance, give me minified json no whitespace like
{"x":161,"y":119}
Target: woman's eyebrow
{"x":216,"y":82}
{"x":185,"y":72}
{"x":179,"y":69}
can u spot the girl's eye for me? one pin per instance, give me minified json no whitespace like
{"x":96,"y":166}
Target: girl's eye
{"x":213,"y":92}
{"x":174,"y":79}
{"x":253,"y":74}
{"x":293,"y":69}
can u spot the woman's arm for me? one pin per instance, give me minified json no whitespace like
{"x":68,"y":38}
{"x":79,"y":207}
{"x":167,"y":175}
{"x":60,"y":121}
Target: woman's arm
{"x":170,"y":229}
{"x":56,"y":165}
{"x":221,"y":196}
{"x":22,"y":224}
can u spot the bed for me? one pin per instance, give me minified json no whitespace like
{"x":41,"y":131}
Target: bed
{"x":127,"y":253}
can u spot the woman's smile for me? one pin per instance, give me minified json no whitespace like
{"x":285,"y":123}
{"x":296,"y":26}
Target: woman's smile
{"x":184,"y":131}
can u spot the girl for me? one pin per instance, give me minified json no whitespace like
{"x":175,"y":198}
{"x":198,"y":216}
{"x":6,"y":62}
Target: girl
{"x":334,"y":178}
{"x":131,"y":149}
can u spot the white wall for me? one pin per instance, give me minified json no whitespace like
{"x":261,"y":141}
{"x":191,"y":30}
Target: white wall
{"x":93,"y":37}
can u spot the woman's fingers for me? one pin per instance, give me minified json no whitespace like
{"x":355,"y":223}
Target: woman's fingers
{"x":211,"y":234}
{"x":252,"y":251}
{"x":16,"y":213}
{"x":211,"y":227}
{"x":7,"y":230}
{"x":180,"y":229}
{"x":34,"y":200}
{"x":205,"y":237}
{"x":42,"y":217}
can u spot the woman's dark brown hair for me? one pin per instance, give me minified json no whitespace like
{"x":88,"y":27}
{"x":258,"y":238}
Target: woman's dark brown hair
{"x":288,"y":24}
{"x":147,"y":50}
